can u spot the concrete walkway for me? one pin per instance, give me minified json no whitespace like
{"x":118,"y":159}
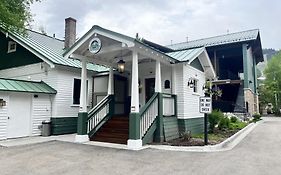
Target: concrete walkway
{"x":258,"y":153}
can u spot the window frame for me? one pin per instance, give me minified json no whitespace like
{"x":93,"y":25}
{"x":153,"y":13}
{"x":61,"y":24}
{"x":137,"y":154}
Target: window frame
{"x":10,"y":46}
{"x":78,"y":104}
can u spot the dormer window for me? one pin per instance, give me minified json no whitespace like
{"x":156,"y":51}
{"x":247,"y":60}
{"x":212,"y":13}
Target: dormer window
{"x":12,"y":46}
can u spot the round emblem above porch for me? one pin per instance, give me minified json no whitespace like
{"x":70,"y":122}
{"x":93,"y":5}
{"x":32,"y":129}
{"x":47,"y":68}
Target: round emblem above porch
{"x":95,"y":45}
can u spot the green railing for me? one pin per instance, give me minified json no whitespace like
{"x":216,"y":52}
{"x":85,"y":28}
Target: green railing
{"x":100,"y":114}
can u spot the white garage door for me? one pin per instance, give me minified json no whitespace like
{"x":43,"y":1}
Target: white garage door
{"x":19,"y":115}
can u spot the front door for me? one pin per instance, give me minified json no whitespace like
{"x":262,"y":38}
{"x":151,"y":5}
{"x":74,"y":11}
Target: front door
{"x":19,"y":115}
{"x":121,"y":94}
{"x":149,"y":88}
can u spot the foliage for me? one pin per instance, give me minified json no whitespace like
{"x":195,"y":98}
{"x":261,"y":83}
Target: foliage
{"x":237,"y":125}
{"x":233,"y":119}
{"x":15,"y":14}
{"x":214,"y":119}
{"x":224,"y":123}
{"x":271,"y":90}
{"x":212,"y":90}
{"x":256,"y":117}
{"x":186,"y":135}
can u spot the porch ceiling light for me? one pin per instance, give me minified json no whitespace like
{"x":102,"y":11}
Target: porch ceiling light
{"x":121,"y":66}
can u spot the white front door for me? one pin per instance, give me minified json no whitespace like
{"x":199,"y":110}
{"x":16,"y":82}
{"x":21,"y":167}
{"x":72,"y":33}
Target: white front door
{"x":19,"y":115}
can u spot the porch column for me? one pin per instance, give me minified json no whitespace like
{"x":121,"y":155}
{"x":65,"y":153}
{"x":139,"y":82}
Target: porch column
{"x":110,"y":91}
{"x":158,"y":88}
{"x":134,"y":141}
{"x":82,"y":135}
{"x":110,"y":88}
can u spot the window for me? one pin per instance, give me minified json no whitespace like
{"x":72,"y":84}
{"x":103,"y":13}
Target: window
{"x":12,"y":46}
{"x":76,"y":91}
{"x":167,"y":84}
{"x":195,"y":86}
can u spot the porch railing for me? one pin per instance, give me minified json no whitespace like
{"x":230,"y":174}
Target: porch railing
{"x":148,"y":114}
{"x":99,"y":114}
{"x":169,"y":104}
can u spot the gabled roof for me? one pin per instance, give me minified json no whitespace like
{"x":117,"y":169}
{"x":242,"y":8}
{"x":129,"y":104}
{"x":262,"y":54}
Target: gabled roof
{"x":248,"y":35}
{"x":49,"y":49}
{"x":25,"y":86}
{"x":186,"y":55}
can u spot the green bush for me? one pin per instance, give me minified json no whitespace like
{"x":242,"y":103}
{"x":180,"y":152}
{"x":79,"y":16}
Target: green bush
{"x":224,"y":123}
{"x":233,"y":119}
{"x":237,"y":126}
{"x":256,"y":117}
{"x":214,"y":119}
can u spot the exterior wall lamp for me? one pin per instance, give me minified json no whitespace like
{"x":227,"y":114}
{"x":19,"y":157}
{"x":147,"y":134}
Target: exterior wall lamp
{"x":121,"y":66}
{"x":190,"y":83}
{"x":2,"y":102}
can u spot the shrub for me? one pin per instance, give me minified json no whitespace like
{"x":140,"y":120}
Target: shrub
{"x":237,"y":126}
{"x":224,"y":123}
{"x":256,"y":117}
{"x":233,"y":119}
{"x":214,"y":119}
{"x":186,"y":135}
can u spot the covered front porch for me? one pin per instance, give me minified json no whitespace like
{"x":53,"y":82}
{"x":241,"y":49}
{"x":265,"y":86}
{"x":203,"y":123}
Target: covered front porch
{"x":139,"y":85}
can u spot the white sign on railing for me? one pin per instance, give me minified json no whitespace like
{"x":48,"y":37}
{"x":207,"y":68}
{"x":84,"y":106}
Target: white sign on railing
{"x":205,"y":105}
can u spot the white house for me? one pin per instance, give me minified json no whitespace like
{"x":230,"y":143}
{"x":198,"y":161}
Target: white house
{"x":132,"y":91}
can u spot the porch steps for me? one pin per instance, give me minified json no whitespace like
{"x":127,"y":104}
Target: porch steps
{"x":116,"y":130}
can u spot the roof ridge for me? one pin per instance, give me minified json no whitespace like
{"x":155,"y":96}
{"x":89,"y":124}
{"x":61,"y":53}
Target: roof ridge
{"x":22,"y":80}
{"x":212,"y":37}
{"x":45,"y":35}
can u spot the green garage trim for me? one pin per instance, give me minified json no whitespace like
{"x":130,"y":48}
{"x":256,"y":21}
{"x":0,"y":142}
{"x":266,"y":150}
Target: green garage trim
{"x":171,"y":128}
{"x":64,"y":125}
{"x":195,"y":125}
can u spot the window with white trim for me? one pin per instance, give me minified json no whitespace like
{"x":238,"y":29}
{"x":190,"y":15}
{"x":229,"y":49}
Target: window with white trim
{"x":12,"y":46}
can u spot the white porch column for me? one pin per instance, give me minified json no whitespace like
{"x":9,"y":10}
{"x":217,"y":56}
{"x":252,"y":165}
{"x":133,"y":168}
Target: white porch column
{"x":83,"y":90}
{"x":158,"y":82}
{"x":134,"y":141}
{"x":135,"y":84}
{"x":82,"y":135}
{"x":110,"y":88}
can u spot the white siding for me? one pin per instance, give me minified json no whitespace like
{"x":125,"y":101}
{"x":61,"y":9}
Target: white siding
{"x":41,"y":110}
{"x":60,"y":78}
{"x":191,"y":99}
{"x":3,"y":116}
{"x":179,"y":89}
{"x":63,"y":101}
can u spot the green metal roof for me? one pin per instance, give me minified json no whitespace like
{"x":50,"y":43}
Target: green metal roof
{"x":186,"y":55}
{"x":218,"y":40}
{"x":25,"y":86}
{"x":52,"y":49}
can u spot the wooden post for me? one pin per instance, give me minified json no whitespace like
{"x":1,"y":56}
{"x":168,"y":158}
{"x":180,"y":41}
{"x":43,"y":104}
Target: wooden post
{"x":82,"y":135}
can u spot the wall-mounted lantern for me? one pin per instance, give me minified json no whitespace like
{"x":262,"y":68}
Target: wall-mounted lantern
{"x":190,"y":83}
{"x":121,"y":66}
{"x":2,"y":103}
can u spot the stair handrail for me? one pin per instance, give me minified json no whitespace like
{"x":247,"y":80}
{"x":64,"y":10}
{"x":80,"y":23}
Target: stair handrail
{"x":145,"y":123}
{"x":95,"y":121}
{"x":100,"y":104}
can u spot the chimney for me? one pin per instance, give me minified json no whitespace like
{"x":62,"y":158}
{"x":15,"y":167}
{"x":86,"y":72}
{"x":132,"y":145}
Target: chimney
{"x":70,"y":32}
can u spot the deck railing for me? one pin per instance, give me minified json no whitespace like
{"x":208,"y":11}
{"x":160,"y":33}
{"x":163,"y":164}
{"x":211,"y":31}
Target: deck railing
{"x":97,"y":115}
{"x":148,"y":114}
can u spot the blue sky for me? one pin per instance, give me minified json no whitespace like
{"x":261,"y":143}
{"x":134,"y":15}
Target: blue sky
{"x":164,"y":21}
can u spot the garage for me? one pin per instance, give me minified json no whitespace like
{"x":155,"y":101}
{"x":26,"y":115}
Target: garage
{"x":23,"y":107}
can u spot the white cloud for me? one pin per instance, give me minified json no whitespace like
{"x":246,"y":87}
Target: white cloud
{"x":164,"y":20}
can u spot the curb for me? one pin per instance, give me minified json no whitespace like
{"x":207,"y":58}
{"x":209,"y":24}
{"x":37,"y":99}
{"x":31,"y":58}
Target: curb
{"x":226,"y":145}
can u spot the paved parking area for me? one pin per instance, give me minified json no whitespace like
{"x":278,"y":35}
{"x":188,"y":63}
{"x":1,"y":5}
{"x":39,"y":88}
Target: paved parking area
{"x":258,"y":153}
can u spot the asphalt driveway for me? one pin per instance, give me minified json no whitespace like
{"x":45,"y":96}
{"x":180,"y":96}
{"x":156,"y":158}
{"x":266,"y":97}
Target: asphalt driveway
{"x":258,"y":153}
